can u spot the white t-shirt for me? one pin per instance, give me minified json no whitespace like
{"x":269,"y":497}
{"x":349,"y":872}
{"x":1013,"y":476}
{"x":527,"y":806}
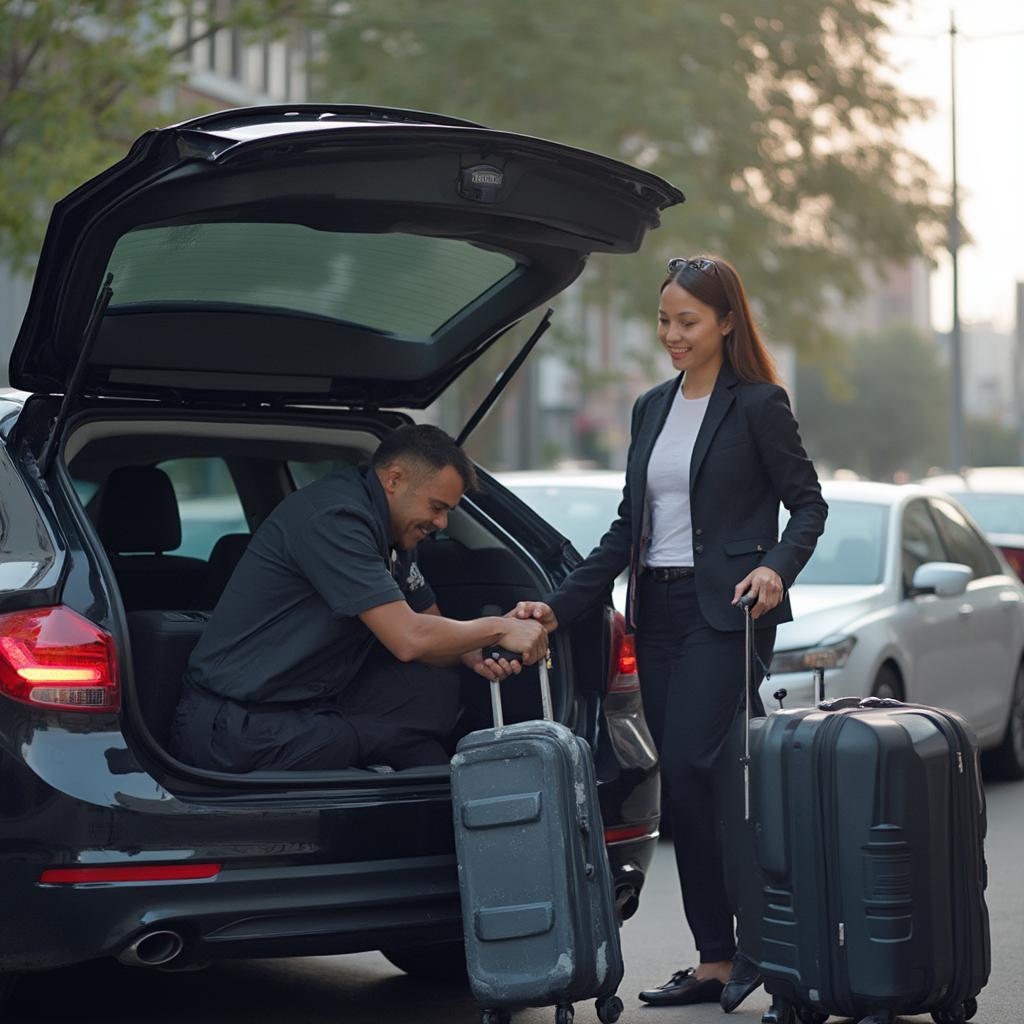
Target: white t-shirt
{"x":668,"y":484}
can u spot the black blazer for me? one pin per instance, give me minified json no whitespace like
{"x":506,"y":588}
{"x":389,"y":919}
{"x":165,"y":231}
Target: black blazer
{"x":747,"y":458}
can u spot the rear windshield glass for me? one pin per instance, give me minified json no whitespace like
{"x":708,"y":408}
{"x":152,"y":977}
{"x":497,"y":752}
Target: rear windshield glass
{"x":400,"y":284}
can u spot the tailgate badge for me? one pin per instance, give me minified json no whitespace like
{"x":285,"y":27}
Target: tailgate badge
{"x":482,"y":183}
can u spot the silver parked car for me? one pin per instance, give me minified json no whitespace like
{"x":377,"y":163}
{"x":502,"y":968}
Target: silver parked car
{"x":994,"y":495}
{"x":904,"y":597}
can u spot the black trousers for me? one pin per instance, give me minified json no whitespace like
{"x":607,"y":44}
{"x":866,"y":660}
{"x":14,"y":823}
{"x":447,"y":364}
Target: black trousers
{"x":691,"y":679}
{"x":395,"y":713}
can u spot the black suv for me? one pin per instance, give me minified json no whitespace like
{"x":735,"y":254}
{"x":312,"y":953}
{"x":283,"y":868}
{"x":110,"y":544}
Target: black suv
{"x":248,"y":298}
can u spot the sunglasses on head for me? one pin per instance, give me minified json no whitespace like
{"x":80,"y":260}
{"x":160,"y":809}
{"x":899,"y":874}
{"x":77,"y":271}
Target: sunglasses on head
{"x":699,"y":263}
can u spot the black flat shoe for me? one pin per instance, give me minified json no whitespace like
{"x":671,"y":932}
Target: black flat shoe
{"x":682,"y":988}
{"x":743,"y":979}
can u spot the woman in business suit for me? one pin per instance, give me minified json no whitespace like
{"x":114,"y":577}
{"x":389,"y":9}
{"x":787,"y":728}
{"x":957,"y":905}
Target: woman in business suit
{"x":713,"y":452}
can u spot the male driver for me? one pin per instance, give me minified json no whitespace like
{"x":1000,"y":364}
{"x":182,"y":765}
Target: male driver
{"x":327,"y":649}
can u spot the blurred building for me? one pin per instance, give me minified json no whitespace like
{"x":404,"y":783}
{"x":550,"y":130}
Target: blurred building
{"x":989,"y":363}
{"x":220,"y":70}
{"x":1018,"y":365}
{"x":896,"y":294}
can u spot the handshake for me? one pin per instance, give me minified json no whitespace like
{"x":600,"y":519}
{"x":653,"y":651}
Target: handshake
{"x":522,"y":640}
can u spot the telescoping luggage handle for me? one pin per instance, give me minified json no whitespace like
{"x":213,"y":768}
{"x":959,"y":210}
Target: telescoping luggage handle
{"x":545,"y":686}
{"x":746,"y":602}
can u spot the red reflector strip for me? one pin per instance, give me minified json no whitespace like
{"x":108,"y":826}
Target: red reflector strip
{"x":619,"y":835}
{"x":147,"y":873}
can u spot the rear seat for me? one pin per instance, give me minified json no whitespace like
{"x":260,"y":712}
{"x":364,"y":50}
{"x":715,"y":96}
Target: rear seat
{"x":138,"y":522}
{"x":162,"y":642}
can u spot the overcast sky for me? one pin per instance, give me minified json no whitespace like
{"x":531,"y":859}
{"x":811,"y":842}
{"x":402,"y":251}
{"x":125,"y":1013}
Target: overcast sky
{"x":990,"y":145}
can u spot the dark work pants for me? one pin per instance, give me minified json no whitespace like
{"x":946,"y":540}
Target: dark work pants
{"x":395,"y":713}
{"x":691,"y":678}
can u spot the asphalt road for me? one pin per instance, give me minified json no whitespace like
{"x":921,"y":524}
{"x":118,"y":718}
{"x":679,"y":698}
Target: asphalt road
{"x":366,"y":989}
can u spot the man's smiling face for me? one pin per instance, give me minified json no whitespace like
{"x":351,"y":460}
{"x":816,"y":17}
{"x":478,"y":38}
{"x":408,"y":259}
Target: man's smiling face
{"x":419,"y":499}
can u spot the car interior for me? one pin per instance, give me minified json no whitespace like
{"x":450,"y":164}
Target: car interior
{"x":174,"y":505}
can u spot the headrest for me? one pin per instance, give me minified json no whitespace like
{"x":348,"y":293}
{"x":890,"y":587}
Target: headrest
{"x":139,"y":511}
{"x":227,"y":552}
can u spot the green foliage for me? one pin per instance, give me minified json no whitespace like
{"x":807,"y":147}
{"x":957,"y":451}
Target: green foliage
{"x":79,"y":80}
{"x":889,"y":412}
{"x":777,"y":121}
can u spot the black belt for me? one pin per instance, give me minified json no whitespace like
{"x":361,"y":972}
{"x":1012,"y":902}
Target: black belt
{"x":664,"y":573}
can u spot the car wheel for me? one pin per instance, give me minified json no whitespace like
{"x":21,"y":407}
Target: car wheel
{"x":888,"y":684}
{"x":1007,"y":760}
{"x":445,"y":961}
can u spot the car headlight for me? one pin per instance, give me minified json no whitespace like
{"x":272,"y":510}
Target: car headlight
{"x":825,"y":655}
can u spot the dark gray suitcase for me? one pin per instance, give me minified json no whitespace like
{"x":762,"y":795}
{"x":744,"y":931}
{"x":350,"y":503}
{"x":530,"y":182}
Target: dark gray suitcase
{"x":538,"y":908}
{"x":867,"y":819}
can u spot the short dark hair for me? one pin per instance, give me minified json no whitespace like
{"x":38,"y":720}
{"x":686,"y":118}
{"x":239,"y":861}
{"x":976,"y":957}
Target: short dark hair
{"x":429,"y":445}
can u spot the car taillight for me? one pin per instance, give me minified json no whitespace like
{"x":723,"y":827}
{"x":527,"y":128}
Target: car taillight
{"x":1015,"y":556}
{"x":622,"y":677}
{"x":55,"y":658}
{"x":626,"y":833}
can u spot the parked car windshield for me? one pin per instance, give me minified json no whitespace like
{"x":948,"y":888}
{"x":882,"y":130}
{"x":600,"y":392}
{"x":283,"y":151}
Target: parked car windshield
{"x":995,"y":513}
{"x":344,"y":276}
{"x":851,"y":551}
{"x":583,"y":514}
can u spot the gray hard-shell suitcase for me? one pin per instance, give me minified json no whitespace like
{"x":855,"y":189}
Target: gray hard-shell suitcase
{"x":538,"y":908}
{"x":867,"y":819}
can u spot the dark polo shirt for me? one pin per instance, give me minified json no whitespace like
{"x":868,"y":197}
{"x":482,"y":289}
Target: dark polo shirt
{"x":286,"y":627}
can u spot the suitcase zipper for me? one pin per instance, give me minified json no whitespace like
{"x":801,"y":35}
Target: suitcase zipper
{"x":838,"y":981}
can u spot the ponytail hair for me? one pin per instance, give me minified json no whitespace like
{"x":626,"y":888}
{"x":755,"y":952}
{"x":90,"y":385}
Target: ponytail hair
{"x":717,"y":284}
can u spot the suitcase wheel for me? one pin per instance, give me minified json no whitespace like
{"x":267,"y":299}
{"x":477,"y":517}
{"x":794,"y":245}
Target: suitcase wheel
{"x":609,"y":1009}
{"x":957,"y":1014}
{"x":499,"y":1015}
{"x":564,"y":1014}
{"x":809,"y":1015}
{"x":779,"y":1013}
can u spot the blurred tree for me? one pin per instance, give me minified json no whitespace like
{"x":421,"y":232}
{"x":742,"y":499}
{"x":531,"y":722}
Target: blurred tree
{"x":778,"y":121}
{"x":991,"y":444}
{"x":880,"y":407}
{"x":78,"y":81}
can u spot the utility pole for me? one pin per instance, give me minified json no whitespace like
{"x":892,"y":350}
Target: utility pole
{"x":957,"y":452}
{"x":1018,"y":370}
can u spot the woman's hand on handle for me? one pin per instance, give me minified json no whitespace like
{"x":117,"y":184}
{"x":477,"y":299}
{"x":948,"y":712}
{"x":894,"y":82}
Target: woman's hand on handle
{"x":537,"y":610}
{"x":764,"y":584}
{"x":525,"y":636}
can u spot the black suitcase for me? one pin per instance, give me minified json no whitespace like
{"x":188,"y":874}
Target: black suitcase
{"x":538,"y":908}
{"x":867,"y":821}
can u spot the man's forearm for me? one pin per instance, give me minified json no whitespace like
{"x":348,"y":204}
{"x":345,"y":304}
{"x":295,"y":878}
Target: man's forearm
{"x":439,"y":641}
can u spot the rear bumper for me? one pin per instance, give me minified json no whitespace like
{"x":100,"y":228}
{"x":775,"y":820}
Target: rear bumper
{"x":242,"y":912}
{"x":269,"y":911}
{"x":302,"y":873}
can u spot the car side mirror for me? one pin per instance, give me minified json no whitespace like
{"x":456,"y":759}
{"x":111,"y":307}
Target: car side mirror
{"x":944,"y":579}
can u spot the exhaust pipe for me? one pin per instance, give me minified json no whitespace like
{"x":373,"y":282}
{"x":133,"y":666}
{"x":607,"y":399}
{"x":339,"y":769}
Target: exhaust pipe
{"x":153,"y":949}
{"x":627,"y":901}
